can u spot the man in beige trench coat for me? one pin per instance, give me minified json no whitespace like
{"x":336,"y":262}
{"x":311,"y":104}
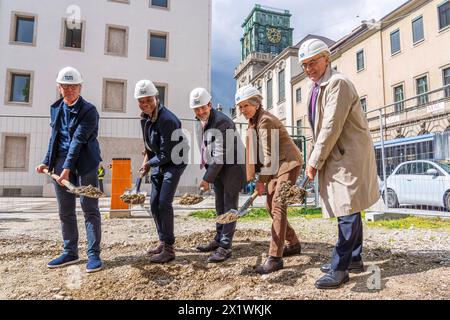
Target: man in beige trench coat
{"x":343,"y":154}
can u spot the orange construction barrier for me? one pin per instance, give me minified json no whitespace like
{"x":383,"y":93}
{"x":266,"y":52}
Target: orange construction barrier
{"x":121,"y":180}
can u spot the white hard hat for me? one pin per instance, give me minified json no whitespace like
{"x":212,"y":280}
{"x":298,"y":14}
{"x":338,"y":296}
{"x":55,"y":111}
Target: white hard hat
{"x":145,"y":88}
{"x":310,"y":48}
{"x":247,"y":92}
{"x":69,"y":75}
{"x":199,"y":97}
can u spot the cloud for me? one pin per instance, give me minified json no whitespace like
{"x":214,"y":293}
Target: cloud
{"x":332,"y":19}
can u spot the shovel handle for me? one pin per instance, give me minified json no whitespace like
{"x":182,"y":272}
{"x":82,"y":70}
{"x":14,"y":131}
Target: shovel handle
{"x":55,"y":177}
{"x":304,"y":182}
{"x":249,"y":201}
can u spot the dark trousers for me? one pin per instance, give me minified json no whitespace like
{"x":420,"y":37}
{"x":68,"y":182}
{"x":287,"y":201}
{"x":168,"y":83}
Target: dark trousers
{"x":67,"y":213}
{"x":349,"y":245}
{"x":164,"y":185}
{"x":100,"y":185}
{"x":225,"y":201}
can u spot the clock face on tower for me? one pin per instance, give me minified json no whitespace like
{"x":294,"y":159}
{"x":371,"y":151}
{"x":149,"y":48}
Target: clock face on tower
{"x":273,"y":35}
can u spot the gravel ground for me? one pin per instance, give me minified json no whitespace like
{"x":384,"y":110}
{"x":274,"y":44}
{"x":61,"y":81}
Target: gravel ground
{"x":414,"y":264}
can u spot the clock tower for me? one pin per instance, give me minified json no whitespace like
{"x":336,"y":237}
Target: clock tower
{"x":267,"y":32}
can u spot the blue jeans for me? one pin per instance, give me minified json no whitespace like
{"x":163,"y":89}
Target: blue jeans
{"x":164,"y":185}
{"x":225,"y":201}
{"x":350,"y":242}
{"x":67,"y":213}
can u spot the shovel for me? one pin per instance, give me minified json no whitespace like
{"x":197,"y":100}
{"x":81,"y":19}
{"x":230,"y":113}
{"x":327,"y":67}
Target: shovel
{"x":89,"y":192}
{"x":233,"y":215}
{"x":133,"y":196}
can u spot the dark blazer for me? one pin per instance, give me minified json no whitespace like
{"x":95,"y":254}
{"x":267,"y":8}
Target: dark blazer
{"x":157,"y":135}
{"x":232,"y":174}
{"x":84,"y":151}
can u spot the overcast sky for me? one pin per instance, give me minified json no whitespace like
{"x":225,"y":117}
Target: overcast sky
{"x":330,"y":18}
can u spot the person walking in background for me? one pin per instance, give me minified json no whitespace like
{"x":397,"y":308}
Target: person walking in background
{"x":101,"y":177}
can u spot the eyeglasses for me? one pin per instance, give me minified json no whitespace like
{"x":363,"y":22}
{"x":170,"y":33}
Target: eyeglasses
{"x":69,"y":86}
{"x":311,"y":63}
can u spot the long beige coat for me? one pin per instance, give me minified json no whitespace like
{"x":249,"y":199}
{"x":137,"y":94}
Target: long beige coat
{"x":343,"y":150}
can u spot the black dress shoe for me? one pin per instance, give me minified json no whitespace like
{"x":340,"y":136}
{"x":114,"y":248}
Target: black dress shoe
{"x":355,"y":267}
{"x":332,"y":280}
{"x":272,"y":264}
{"x":220,"y":255}
{"x":292,"y":250}
{"x":213,"y":245}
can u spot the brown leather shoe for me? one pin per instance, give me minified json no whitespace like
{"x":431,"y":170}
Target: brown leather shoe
{"x":272,"y":264}
{"x":213,"y":245}
{"x":292,"y":250}
{"x":156,"y":250}
{"x":220,"y":255}
{"x":167,"y":255}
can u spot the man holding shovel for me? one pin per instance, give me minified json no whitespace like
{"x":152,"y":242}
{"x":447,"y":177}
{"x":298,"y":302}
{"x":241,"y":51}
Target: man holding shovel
{"x":219,"y":146}
{"x":343,"y":155}
{"x":74,"y":154}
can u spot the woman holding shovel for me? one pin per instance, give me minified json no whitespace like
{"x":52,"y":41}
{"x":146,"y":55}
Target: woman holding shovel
{"x":274,"y":158}
{"x":74,"y":154}
{"x":166,"y":164}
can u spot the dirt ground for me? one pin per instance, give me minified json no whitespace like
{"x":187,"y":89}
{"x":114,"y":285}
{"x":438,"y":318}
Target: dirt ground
{"x":414,"y":264}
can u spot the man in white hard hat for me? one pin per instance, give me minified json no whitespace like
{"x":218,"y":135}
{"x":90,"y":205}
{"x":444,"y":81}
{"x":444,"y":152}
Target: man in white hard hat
{"x":166,"y":165}
{"x":272,"y":158}
{"x":74,"y":154}
{"x":219,"y":146}
{"x":343,"y":154}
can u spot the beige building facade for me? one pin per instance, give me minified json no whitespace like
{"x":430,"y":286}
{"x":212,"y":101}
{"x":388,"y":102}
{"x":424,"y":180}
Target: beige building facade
{"x":402,"y":63}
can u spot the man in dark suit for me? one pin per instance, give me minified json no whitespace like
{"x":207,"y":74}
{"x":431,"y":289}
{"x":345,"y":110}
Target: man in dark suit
{"x":74,"y":154}
{"x":220,"y":147}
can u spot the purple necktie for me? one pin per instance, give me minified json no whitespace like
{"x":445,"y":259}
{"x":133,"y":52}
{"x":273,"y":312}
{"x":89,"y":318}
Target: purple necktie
{"x":314,"y":95}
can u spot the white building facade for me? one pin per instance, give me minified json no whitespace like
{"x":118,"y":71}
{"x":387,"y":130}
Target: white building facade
{"x":113,"y":43}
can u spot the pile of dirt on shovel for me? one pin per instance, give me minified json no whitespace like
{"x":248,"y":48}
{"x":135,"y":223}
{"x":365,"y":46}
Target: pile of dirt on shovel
{"x":290,"y":194}
{"x":190,"y":199}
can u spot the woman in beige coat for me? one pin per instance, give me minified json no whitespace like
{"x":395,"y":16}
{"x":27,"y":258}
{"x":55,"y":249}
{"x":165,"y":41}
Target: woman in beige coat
{"x":343,"y":154}
{"x":272,"y":155}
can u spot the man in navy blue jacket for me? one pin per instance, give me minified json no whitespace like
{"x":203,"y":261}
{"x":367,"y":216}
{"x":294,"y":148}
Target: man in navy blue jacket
{"x":74,"y":154}
{"x":220,"y":147}
{"x":165,"y":158}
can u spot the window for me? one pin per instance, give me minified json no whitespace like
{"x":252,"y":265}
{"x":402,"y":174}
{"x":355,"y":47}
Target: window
{"x":421,"y":88}
{"x":15,"y":152}
{"x":159,"y":3}
{"x":446,"y":80}
{"x":114,"y":95}
{"x":162,"y":89}
{"x":399,"y":95}
{"x":23,"y":29}
{"x":360,"y":60}
{"x":116,"y":41}
{"x":363,"y":102}
{"x":73,"y":35}
{"x":299,"y":127}
{"x":19,"y":87}
{"x":395,"y":42}
{"x":444,"y":15}
{"x":269,"y":94}
{"x":298,"y":95}
{"x":158,"y":45}
{"x":417,"y":29}
{"x":404,"y":169}
{"x":281,"y":86}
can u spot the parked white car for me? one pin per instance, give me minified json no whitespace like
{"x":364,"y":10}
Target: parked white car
{"x":419,"y":182}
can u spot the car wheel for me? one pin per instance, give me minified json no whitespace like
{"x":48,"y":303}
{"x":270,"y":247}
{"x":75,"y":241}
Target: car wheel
{"x":447,"y":201}
{"x":392,"y":200}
